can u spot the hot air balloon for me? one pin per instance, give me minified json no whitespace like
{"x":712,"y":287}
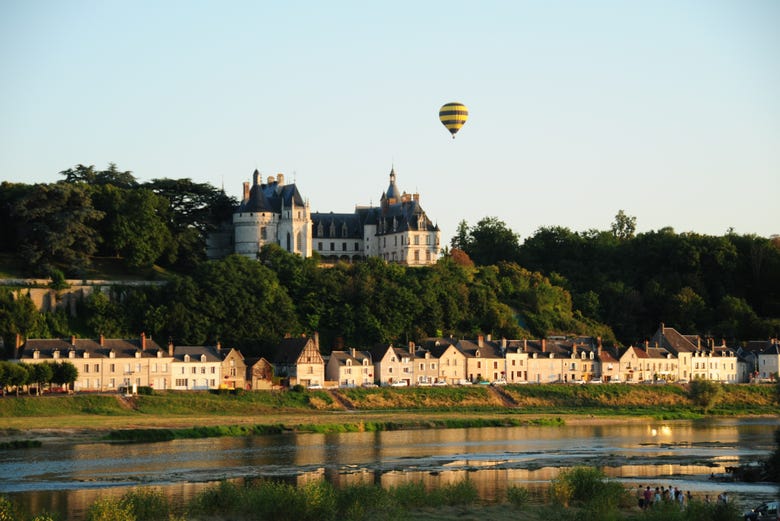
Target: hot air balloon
{"x":453,"y":116}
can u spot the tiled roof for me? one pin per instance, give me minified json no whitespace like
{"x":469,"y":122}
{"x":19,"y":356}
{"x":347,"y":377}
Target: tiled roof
{"x":196,"y":352}
{"x":121,"y":348}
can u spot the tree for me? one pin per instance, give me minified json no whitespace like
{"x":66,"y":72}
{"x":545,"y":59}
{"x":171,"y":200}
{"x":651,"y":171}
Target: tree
{"x":88,"y":175}
{"x":489,"y":242}
{"x":16,"y":376}
{"x":41,"y":374}
{"x":624,"y":226}
{"x":57,"y":227}
{"x":705,"y":393}
{"x":65,"y":374}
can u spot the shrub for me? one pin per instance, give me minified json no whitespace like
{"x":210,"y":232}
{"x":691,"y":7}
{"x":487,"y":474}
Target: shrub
{"x":147,"y":504}
{"x":705,"y":393}
{"x":518,"y":496}
{"x":108,"y":509}
{"x":366,"y":502}
{"x":8,"y":510}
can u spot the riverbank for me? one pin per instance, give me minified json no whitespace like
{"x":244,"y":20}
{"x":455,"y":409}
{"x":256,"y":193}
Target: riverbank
{"x":92,"y":417}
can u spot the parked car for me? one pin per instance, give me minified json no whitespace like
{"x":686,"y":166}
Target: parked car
{"x":766,"y":511}
{"x":315,"y":386}
{"x":440,"y":383}
{"x":498,"y":381}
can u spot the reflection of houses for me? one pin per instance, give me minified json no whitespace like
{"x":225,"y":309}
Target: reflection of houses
{"x":104,"y":364}
{"x":196,"y":367}
{"x":350,"y":368}
{"x":392,"y":365}
{"x":259,"y":373}
{"x":298,"y":360}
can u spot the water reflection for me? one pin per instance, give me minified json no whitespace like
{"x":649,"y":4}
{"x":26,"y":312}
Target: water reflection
{"x":67,"y":478}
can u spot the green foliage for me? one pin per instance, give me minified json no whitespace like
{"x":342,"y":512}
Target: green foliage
{"x":146,"y":504}
{"x":8,"y":511}
{"x":110,"y":509}
{"x":705,"y":393}
{"x":597,"y":497}
{"x":518,"y":496}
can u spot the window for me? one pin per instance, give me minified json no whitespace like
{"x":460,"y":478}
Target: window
{"x":97,"y":368}
{"x":86,"y":368}
{"x":319,"y":246}
{"x":416,"y":240}
{"x":202,"y":370}
{"x":112,"y":368}
{"x":333,"y":246}
{"x":357,"y":246}
{"x":213,"y":370}
{"x":263,"y":233}
{"x":343,"y":246}
{"x":194,"y":370}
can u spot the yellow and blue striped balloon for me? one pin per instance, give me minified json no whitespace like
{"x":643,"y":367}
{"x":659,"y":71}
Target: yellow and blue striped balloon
{"x":453,"y":116}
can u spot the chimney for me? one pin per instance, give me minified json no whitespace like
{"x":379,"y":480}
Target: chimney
{"x":480,"y":340}
{"x":73,"y":340}
{"x":525,"y":344}
{"x":574,"y":349}
{"x":317,"y":340}
{"x":170,"y":347}
{"x":219,"y":346}
{"x":647,"y":344}
{"x":102,"y":340}
{"x":280,"y":179}
{"x":255,"y":177}
{"x":353,"y":351}
{"x":143,"y":341}
{"x":246,"y":190}
{"x":489,"y":337}
{"x":503,"y":343}
{"x":598,"y":346}
{"x":270,"y":180}
{"x":544,"y":345}
{"x":18,"y":346}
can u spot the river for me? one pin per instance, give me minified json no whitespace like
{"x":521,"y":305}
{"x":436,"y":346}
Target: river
{"x":68,"y":477}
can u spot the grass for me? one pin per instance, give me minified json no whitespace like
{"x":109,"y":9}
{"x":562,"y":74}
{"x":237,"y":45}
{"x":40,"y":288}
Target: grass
{"x":581,"y":493}
{"x":374,"y":409}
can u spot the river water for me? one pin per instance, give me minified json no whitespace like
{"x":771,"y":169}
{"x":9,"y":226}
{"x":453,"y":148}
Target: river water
{"x":68,"y":477}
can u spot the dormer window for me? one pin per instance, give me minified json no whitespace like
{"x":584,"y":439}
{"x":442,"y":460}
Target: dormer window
{"x":186,"y":358}
{"x":36,"y":354}
{"x":344,"y":230}
{"x":477,"y":354}
{"x":591,"y":355}
{"x":202,"y":358}
{"x":56,"y":354}
{"x":349,"y":362}
{"x":111,"y":354}
{"x":159,"y":354}
{"x":583,"y":355}
{"x":138,"y":354}
{"x":86,"y":354}
{"x":71,"y":354}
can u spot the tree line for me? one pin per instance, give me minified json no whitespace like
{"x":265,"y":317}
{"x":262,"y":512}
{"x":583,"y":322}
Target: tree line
{"x":723,"y":287}
{"x":53,"y":228}
{"x":614,"y":283}
{"x":16,"y":376}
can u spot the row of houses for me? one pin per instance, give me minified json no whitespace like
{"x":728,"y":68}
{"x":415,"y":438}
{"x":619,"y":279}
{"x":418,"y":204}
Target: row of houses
{"x":111,"y":364}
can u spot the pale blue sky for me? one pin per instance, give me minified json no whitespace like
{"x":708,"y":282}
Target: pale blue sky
{"x":669,"y":110}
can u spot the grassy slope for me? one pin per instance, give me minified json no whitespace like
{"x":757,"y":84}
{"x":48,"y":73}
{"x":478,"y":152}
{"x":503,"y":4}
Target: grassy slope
{"x":185,"y":409}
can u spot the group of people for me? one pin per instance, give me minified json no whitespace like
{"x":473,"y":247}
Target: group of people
{"x":647,"y":497}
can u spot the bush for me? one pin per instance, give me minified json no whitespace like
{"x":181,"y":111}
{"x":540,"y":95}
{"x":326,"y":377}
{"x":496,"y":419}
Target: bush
{"x":147,"y":505}
{"x":8,"y":511}
{"x":518,"y":496}
{"x":108,"y":509}
{"x":705,"y":393}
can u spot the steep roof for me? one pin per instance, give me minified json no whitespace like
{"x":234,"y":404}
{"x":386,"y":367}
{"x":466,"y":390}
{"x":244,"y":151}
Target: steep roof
{"x":270,"y":197}
{"x":336,"y":226}
{"x":289,"y":350}
{"x":675,"y":342}
{"x":122,"y":348}
{"x":196,"y":352}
